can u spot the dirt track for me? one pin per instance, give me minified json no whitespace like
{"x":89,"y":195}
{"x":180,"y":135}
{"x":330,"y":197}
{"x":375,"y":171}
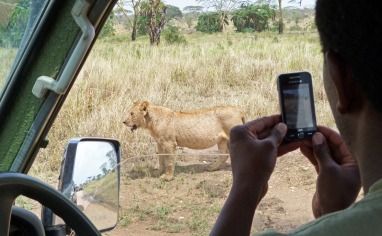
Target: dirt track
{"x":194,"y":192}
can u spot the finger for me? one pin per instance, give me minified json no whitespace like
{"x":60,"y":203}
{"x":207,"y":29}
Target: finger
{"x":341,"y":153}
{"x":287,"y":147}
{"x":307,"y":151}
{"x":321,"y":151}
{"x":238,"y":132}
{"x":278,"y":134}
{"x":261,"y":124}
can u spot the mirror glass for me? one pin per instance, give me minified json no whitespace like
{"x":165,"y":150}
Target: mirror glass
{"x":95,"y":182}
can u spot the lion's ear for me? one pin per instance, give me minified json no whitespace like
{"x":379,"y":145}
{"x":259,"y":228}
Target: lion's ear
{"x":134,"y":104}
{"x":144,"y":106}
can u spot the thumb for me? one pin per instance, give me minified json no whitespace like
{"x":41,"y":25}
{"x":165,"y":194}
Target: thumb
{"x":278,"y":134}
{"x":321,"y":151}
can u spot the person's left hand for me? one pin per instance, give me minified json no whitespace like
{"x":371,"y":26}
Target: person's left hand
{"x":338,"y":180}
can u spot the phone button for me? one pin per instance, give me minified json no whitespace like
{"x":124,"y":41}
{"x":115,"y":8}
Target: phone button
{"x":301,"y":135}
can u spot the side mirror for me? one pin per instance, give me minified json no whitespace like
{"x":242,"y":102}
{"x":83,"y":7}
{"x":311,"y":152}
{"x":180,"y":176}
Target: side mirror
{"x":90,"y":176}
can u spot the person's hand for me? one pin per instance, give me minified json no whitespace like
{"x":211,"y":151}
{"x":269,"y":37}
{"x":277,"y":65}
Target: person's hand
{"x":338,"y":180}
{"x":254,"y":147}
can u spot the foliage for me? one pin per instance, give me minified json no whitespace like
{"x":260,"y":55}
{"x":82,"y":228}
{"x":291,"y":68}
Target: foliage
{"x":253,"y":17}
{"x":194,"y":9}
{"x":11,"y":35}
{"x":172,"y":36}
{"x":108,"y":28}
{"x":152,"y":19}
{"x":143,"y":25}
{"x":211,"y":22}
{"x":173,"y":12}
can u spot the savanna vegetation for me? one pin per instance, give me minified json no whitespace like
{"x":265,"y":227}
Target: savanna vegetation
{"x":190,"y":69}
{"x":211,"y":69}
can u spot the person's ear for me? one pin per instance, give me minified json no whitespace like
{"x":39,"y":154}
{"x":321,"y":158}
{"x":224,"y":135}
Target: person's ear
{"x":344,"y":82}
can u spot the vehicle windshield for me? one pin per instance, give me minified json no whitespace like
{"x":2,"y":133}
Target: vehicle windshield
{"x":18,"y":20}
{"x":188,"y":70}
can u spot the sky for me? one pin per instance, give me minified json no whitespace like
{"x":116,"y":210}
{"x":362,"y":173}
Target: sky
{"x":183,"y":3}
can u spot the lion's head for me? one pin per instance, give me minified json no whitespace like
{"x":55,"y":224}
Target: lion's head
{"x":136,"y":115}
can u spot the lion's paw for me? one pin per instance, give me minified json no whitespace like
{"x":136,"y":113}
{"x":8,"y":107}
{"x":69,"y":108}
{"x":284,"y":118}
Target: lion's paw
{"x":167,"y":177}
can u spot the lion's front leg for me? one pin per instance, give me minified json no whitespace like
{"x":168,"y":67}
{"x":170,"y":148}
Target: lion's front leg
{"x":162,"y":165}
{"x":169,"y":162}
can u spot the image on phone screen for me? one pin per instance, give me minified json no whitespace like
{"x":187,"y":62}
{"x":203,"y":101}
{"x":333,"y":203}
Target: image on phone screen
{"x":298,"y":108}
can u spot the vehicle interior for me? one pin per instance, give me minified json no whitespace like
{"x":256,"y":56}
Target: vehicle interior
{"x":43,"y":62}
{"x":44,"y":45}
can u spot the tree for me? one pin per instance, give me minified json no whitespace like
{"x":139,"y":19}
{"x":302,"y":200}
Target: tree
{"x":281,"y":28}
{"x":157,"y":14}
{"x":136,"y":6}
{"x":14,"y":23}
{"x":281,"y":22}
{"x":108,"y":28}
{"x":193,"y":9}
{"x":192,"y":12}
{"x":136,"y":9}
{"x":253,"y":17}
{"x":210,"y":22}
{"x":222,"y":7}
{"x":173,"y":12}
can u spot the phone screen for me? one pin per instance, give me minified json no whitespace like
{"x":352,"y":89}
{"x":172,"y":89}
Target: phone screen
{"x":298,"y":108}
{"x":297,"y":105}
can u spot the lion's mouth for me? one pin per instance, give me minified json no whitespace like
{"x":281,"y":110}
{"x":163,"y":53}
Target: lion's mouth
{"x":134,"y":127}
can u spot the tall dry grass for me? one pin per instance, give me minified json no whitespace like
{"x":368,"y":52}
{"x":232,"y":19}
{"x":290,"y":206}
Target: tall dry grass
{"x":218,"y":69}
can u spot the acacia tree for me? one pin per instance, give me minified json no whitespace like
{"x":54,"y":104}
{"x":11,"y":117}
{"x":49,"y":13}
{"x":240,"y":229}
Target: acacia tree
{"x":222,"y":7}
{"x":136,"y":6}
{"x":253,"y":17}
{"x":156,"y":11}
{"x":281,"y":24}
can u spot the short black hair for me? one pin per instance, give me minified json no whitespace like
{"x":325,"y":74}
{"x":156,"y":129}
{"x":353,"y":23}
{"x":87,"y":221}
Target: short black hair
{"x":353,"y":29}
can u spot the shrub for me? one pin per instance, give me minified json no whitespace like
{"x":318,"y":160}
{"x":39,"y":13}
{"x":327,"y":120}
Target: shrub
{"x":172,"y":36}
{"x":210,"y":23}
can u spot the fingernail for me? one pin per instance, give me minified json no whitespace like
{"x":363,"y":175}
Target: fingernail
{"x":282,"y":128}
{"x":318,"y":139}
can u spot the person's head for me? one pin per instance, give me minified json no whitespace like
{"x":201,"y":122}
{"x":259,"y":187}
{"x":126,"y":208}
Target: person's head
{"x":353,"y":31}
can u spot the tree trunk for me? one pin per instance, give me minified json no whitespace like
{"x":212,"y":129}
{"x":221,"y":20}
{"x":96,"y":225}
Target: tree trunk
{"x":134,"y":31}
{"x":156,"y":28}
{"x":160,"y":27}
{"x":153,"y":19}
{"x":281,"y":28}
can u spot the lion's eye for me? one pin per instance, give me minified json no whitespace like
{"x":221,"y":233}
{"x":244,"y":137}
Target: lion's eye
{"x":132,"y":113}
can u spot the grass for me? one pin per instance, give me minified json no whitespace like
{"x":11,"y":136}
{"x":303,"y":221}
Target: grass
{"x":218,"y":69}
{"x":6,"y":61}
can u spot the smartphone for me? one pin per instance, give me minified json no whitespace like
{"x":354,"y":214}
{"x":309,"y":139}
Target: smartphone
{"x":297,"y":105}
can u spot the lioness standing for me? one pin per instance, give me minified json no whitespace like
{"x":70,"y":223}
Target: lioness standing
{"x":198,"y":129}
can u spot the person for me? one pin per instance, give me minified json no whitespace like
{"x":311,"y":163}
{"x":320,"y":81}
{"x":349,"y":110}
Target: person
{"x":350,"y":33}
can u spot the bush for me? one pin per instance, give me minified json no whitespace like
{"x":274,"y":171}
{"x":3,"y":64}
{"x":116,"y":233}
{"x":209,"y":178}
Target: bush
{"x":11,"y":35}
{"x":172,"y":36}
{"x":255,"y":17}
{"x":108,"y":28}
{"x":209,"y":23}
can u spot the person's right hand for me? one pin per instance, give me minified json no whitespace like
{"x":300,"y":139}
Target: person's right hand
{"x":338,"y":180}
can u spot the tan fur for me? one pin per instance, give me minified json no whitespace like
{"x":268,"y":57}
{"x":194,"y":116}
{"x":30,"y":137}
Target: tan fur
{"x":198,"y":129}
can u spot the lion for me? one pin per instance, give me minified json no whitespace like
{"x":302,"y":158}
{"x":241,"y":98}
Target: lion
{"x":197,"y":129}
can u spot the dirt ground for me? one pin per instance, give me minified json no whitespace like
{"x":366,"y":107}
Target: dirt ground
{"x":190,"y":203}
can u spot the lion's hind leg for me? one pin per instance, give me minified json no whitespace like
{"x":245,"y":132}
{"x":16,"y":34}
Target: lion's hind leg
{"x":223,"y":155}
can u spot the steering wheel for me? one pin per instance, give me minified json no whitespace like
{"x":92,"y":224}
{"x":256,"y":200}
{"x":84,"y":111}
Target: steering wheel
{"x":14,"y":184}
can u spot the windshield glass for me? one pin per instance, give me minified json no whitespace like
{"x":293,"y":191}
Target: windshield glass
{"x":17,"y":22}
